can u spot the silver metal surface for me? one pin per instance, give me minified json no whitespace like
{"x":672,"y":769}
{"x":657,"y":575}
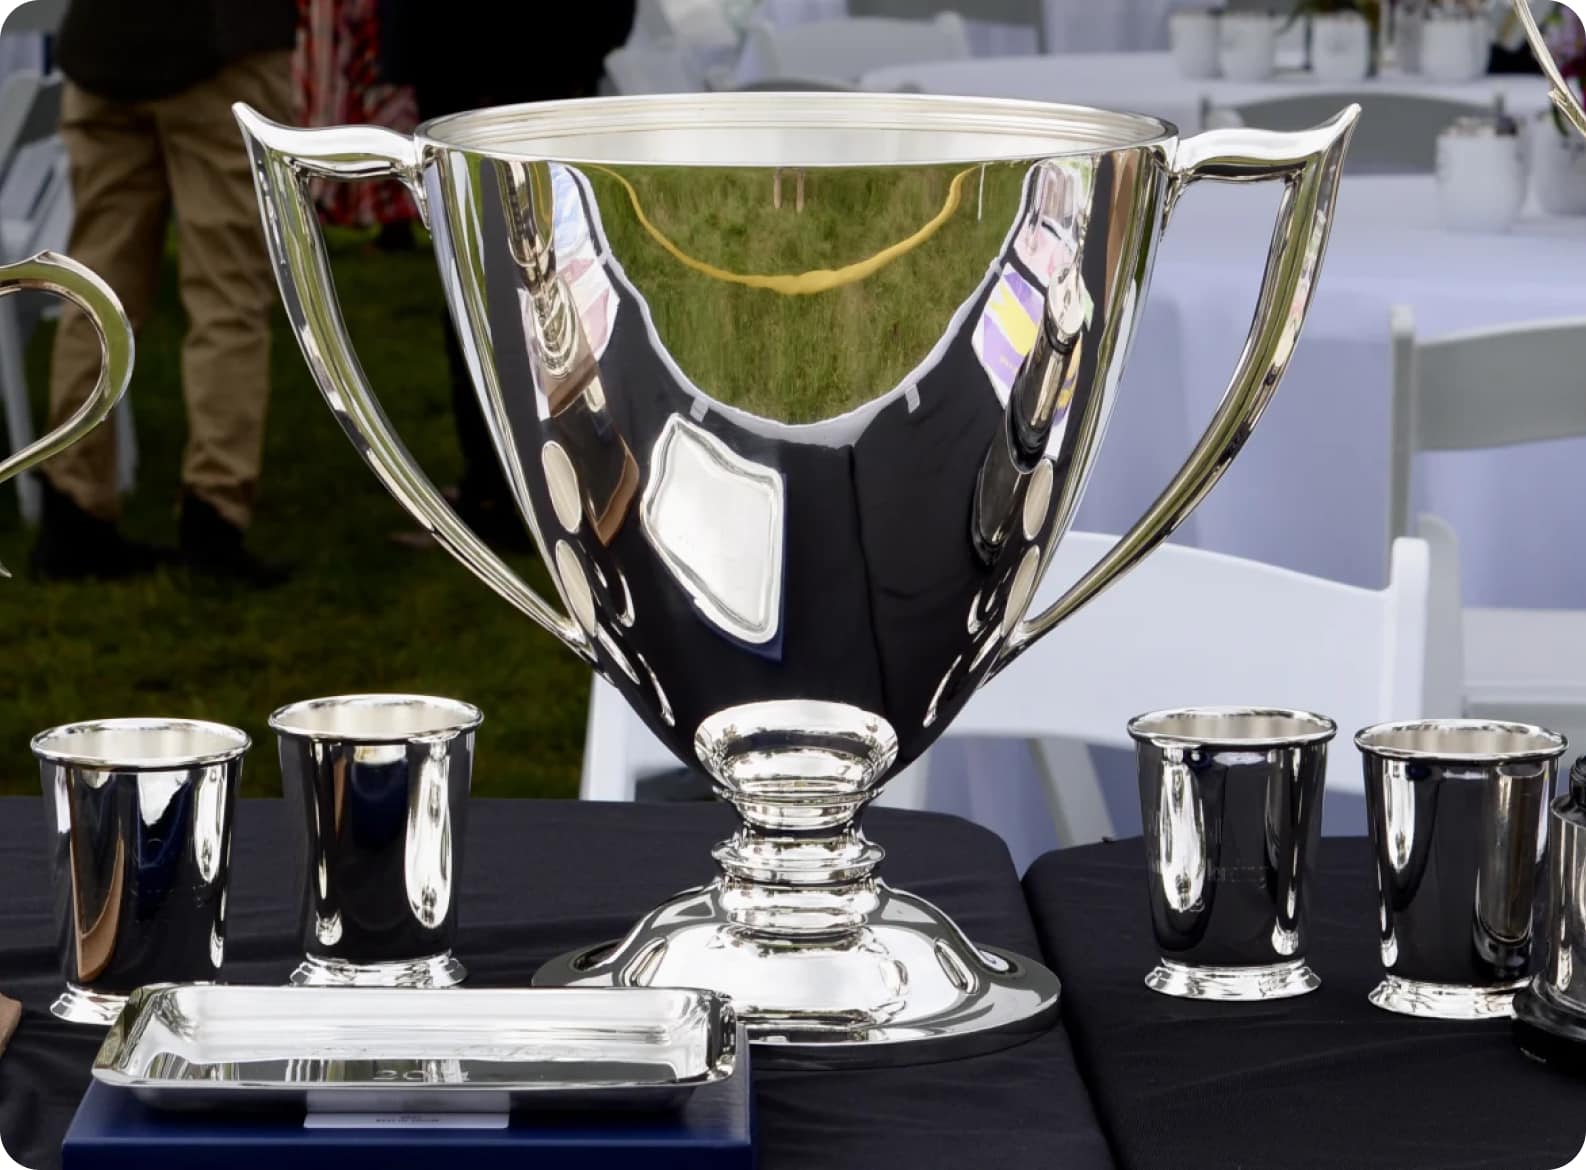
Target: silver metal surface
{"x":1563,"y":95}
{"x":1457,"y":810}
{"x":53,"y":273}
{"x":140,"y":811}
{"x":797,"y":471}
{"x":1231,"y":806}
{"x":380,"y":785}
{"x":412,"y":1050}
{"x":1551,"y":1010}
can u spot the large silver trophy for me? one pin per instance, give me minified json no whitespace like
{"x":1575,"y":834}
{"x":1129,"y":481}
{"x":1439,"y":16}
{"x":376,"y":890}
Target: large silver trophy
{"x":797,"y":394}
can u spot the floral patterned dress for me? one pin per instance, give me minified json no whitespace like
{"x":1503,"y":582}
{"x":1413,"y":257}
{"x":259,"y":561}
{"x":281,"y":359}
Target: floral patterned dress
{"x":336,"y":71}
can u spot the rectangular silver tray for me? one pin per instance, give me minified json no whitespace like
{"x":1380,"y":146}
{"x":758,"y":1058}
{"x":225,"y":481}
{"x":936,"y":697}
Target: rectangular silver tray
{"x":351,"y":1050}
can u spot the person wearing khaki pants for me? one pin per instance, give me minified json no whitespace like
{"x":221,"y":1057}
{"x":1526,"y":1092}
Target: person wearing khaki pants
{"x":151,"y":140}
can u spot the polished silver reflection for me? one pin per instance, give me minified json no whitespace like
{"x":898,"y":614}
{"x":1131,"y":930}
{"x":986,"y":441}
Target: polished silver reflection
{"x":1550,"y":1012}
{"x":62,"y":276}
{"x":380,"y":785}
{"x":1458,"y":811}
{"x":345,"y":1050}
{"x":140,"y":811}
{"x":1561,"y":91}
{"x":797,"y":471}
{"x":1231,"y":807}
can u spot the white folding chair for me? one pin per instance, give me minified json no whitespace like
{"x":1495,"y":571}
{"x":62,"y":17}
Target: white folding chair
{"x":844,"y":50}
{"x":1473,"y":391}
{"x":35,"y":214}
{"x":1184,"y":627}
{"x":1397,"y":133}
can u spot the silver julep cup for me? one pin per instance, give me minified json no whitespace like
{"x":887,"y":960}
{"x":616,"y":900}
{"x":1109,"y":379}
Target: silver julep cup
{"x":1550,"y":1013}
{"x":1458,"y":815}
{"x":1231,"y":805}
{"x":380,"y":785}
{"x":141,"y":813}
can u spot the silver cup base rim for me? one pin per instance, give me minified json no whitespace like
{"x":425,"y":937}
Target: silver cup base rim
{"x":432,"y":971}
{"x":1233,"y":984}
{"x":79,"y":1005}
{"x":799,"y":1002}
{"x":1446,"y":1001}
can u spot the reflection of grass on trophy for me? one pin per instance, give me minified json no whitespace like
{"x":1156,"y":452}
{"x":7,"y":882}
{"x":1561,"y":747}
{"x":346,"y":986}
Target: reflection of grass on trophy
{"x":361,"y":613}
{"x":805,"y":357}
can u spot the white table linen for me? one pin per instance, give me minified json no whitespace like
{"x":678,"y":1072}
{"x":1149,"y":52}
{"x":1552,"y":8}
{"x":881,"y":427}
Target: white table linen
{"x":1151,"y":84}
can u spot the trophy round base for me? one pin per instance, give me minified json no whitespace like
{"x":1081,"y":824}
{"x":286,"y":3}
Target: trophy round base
{"x":905,"y":988}
{"x":1233,"y":984}
{"x":435,"y":971}
{"x":1550,"y":1032}
{"x":78,"y":1005}
{"x":1446,"y":1001}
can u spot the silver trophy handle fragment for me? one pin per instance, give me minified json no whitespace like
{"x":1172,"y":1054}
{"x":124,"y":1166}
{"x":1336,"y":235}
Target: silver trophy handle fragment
{"x":1309,"y":163}
{"x":1563,"y":96}
{"x":284,"y":160}
{"x":53,"y":273}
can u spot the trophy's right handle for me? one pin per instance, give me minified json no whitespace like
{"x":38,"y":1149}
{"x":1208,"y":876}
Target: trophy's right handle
{"x":1563,"y":97}
{"x":53,"y":273}
{"x":1309,"y":164}
{"x":284,"y":159}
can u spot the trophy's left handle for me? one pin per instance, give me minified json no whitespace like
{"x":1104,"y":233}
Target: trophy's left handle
{"x":284,"y":160}
{"x":1563,"y":96}
{"x":53,"y":273}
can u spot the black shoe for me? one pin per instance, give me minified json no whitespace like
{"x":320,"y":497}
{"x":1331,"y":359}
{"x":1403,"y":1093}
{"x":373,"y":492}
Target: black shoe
{"x":212,"y":546}
{"x":76,"y":545}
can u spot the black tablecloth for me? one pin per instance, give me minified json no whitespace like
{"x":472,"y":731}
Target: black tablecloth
{"x":541,"y":877}
{"x":1324,"y":1080}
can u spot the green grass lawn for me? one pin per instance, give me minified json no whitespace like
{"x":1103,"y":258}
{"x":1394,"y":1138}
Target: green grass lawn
{"x":800,"y":359}
{"x":362,"y":613}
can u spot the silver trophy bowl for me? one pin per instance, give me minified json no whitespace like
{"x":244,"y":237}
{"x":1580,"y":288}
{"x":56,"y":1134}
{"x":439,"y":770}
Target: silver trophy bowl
{"x":797,"y":394}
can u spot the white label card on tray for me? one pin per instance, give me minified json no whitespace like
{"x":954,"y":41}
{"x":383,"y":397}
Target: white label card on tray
{"x":405,"y":1121}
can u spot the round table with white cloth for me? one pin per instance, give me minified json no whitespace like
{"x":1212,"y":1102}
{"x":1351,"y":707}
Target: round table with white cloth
{"x":1150,"y":83}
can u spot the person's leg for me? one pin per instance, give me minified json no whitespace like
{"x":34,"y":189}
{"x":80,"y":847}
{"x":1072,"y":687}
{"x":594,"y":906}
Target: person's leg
{"x":228,"y":291}
{"x":121,"y":205}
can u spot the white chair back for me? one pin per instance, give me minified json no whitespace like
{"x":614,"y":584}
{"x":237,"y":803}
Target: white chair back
{"x":1187,"y":627}
{"x":1481,"y":389}
{"x":844,"y":50}
{"x":1397,"y":134}
{"x":1184,"y":627}
{"x":1475,"y":391}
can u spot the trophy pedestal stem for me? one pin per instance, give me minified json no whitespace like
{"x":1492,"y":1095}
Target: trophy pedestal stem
{"x":827,"y":965}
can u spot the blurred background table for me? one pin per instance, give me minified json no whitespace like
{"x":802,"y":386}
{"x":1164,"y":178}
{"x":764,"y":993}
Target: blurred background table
{"x":541,"y":877}
{"x":1149,"y":82}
